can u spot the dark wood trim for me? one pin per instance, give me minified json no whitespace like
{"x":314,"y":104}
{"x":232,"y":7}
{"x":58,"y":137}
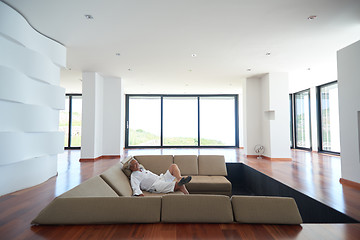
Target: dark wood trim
{"x":350,"y":183}
{"x":269,"y":158}
{"x":99,"y":158}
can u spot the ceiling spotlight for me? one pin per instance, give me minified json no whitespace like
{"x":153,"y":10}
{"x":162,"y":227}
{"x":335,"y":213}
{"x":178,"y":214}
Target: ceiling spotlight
{"x":88,"y":16}
{"x":268,"y":54}
{"x":193,"y":55}
{"x":312,"y":17}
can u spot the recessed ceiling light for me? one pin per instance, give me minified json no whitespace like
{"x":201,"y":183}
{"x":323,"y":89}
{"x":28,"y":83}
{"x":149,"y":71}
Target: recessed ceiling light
{"x":312,"y":17}
{"x":193,"y":55}
{"x":88,"y":16}
{"x":268,"y":54}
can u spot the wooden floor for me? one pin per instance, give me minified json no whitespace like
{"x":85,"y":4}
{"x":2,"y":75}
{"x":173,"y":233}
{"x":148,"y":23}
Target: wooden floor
{"x":314,"y":174}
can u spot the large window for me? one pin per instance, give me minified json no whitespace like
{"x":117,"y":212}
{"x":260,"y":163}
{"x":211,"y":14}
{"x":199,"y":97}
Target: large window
{"x":302,"y":120}
{"x":328,"y":121}
{"x":181,"y":121}
{"x":70,"y":121}
{"x":144,"y":121}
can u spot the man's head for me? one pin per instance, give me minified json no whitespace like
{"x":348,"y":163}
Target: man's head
{"x":134,"y":165}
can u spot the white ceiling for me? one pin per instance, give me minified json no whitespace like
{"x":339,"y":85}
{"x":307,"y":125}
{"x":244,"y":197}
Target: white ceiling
{"x":156,"y":40}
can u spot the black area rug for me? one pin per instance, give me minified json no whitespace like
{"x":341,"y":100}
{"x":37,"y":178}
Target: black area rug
{"x":248,"y":181}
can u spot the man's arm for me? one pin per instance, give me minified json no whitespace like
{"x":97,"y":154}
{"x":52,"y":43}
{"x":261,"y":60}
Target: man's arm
{"x":135,"y":185}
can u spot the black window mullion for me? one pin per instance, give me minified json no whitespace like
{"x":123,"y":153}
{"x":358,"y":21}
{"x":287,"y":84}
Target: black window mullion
{"x":70,"y":121}
{"x":162,"y":121}
{"x":199,"y":136}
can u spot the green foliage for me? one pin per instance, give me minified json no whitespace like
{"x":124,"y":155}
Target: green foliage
{"x":140,"y":137}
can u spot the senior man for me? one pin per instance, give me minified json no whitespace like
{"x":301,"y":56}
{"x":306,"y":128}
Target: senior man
{"x":142,"y":179}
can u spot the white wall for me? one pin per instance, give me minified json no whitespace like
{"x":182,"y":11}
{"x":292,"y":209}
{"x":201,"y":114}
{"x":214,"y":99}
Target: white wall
{"x":101,"y":116}
{"x":30,"y":100}
{"x":349,"y":108}
{"x":112,"y":116}
{"x":267,"y":115}
{"x":253,"y":118}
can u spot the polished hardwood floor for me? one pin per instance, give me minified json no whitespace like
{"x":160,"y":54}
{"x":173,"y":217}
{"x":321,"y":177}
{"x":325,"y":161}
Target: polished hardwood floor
{"x":314,"y":174}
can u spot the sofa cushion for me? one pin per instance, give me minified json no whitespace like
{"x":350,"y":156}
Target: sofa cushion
{"x":209,"y":185}
{"x":188,"y":164}
{"x":94,"y":187}
{"x":265,"y":210}
{"x":156,"y":163}
{"x":212,"y":165}
{"x":106,"y":210}
{"x":117,"y":180}
{"x":196,"y":208}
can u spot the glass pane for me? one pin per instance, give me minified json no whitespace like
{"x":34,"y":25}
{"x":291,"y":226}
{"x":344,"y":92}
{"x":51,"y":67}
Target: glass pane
{"x":76,"y":121}
{"x":330,"y":118}
{"x":144,"y":121}
{"x":180,"y":121}
{"x":64,"y":121}
{"x":217,"y":121}
{"x":302,"y":118}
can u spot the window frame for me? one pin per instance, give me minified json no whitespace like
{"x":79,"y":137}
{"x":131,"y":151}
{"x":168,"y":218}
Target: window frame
{"x":294,"y":121}
{"x":291,"y":106}
{"x":319,"y":120}
{"x":71,"y":95}
{"x":198,"y":96}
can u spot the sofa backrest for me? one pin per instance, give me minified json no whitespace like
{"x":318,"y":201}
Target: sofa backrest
{"x":117,"y":180}
{"x":93,"y":187}
{"x":212,"y":165}
{"x":156,"y":163}
{"x":188,"y":164}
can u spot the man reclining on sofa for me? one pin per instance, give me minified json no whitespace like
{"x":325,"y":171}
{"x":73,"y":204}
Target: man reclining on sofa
{"x":142,"y":179}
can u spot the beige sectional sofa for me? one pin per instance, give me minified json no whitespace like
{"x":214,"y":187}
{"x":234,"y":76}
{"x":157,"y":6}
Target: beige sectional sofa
{"x":107,"y":198}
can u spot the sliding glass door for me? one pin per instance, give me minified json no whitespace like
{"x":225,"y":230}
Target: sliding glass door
{"x":217,"y":121}
{"x":329,"y":118}
{"x":302,"y":120}
{"x":144,"y":121}
{"x":181,"y":121}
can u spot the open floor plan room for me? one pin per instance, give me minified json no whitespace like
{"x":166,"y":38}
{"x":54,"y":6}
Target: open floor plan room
{"x":19,"y":208}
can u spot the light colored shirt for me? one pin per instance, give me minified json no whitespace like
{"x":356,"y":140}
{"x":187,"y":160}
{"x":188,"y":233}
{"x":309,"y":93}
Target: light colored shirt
{"x":142,"y":180}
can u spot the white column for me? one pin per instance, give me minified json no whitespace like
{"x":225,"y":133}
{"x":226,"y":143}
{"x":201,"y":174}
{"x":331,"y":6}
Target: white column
{"x":101,"y":118}
{"x":267,"y":115}
{"x":349,"y":110}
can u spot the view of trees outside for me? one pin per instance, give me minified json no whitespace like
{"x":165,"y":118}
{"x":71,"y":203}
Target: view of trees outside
{"x":302,"y":119}
{"x":76,"y":121}
{"x":330,"y":118}
{"x":180,"y":121}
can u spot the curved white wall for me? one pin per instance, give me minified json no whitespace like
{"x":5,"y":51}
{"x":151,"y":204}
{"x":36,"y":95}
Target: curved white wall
{"x":30,"y":100}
